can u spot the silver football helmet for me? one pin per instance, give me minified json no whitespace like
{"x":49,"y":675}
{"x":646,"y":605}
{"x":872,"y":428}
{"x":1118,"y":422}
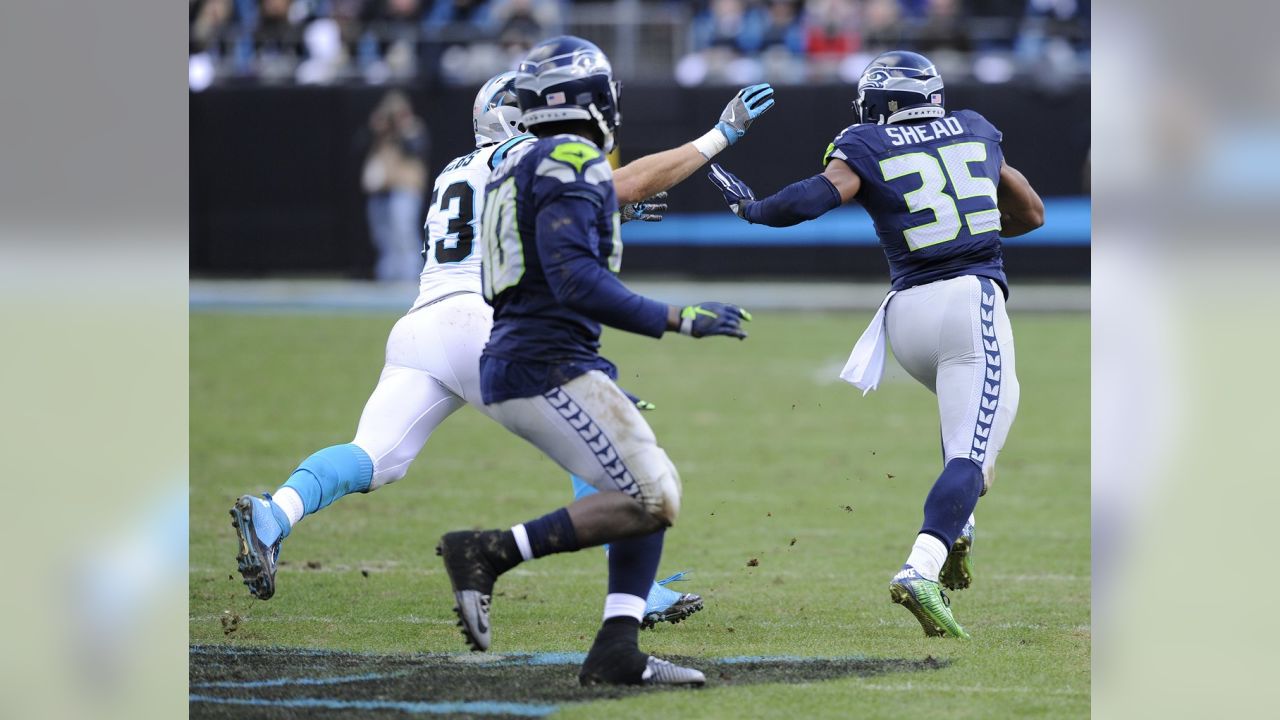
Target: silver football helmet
{"x":495,"y":116}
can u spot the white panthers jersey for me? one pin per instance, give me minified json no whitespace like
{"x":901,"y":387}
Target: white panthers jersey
{"x":451,"y":248}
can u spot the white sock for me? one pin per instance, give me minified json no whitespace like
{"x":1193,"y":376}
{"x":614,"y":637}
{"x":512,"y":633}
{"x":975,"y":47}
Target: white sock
{"x":927,"y":556}
{"x":522,"y":541}
{"x":623,"y":605}
{"x":290,"y":502}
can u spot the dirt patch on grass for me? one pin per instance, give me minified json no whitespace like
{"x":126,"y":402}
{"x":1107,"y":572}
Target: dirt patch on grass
{"x":232,"y":682}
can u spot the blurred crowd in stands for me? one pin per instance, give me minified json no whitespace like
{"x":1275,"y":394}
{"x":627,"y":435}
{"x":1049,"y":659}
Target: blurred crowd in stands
{"x":705,"y":41}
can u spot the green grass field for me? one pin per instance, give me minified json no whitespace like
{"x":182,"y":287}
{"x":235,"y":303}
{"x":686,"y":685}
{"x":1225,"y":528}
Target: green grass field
{"x":780,"y":463}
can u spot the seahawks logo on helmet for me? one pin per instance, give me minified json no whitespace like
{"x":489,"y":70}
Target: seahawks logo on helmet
{"x":874,"y":77}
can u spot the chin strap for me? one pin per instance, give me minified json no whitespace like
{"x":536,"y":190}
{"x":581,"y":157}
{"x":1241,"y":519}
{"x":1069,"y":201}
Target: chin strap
{"x":604,"y":127}
{"x":917,"y":113}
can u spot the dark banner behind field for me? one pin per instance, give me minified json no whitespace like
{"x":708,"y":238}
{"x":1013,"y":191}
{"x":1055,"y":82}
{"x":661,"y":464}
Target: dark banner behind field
{"x":275,"y":174}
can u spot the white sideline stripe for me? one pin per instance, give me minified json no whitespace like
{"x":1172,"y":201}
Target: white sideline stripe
{"x":700,"y":577}
{"x":977,"y":689}
{"x":402,"y":620}
{"x":282,"y":295}
{"x":1053,"y":577}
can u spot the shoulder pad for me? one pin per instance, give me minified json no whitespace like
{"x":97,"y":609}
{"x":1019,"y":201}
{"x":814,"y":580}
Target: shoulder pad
{"x":571,"y":160}
{"x":574,"y":153}
{"x":507,"y":146}
{"x":978,"y":125}
{"x":840,"y":146}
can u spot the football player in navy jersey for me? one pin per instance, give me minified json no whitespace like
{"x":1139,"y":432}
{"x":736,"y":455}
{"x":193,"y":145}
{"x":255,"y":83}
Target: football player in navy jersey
{"x":551,"y":249}
{"x":941,"y":196}
{"x":432,"y":366}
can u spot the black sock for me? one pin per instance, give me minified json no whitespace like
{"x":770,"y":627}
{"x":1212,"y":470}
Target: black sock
{"x":553,"y":533}
{"x":619,"y":631}
{"x":615,"y":656}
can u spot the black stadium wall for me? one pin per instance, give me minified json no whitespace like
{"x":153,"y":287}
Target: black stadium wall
{"x":274,"y":177}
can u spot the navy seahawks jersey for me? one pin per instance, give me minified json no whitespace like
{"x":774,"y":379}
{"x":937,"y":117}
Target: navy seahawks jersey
{"x":930,"y":188}
{"x":552,"y":246}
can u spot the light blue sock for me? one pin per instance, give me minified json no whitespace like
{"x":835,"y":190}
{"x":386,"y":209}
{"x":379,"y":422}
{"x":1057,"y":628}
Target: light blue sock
{"x":329,"y":474}
{"x":581,"y":489}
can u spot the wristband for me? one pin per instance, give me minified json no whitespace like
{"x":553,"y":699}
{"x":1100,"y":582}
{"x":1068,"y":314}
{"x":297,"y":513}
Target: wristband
{"x":686,"y":326}
{"x":711,"y":144}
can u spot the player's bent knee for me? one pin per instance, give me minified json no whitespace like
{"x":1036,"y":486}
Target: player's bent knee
{"x":659,"y":483}
{"x":388,"y":465}
{"x":387,"y":476}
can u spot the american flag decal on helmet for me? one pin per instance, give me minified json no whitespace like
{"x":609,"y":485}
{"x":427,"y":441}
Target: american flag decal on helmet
{"x":555,"y":98}
{"x":936,"y":99}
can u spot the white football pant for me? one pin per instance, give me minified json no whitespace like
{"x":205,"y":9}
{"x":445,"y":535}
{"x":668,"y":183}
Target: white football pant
{"x":432,"y":369}
{"x":954,"y":337}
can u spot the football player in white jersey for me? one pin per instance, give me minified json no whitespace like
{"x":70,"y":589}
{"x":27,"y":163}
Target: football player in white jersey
{"x":432,"y":358}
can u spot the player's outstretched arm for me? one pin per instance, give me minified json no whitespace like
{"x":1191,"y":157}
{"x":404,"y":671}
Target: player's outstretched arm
{"x":1021,"y":209}
{"x":660,"y":171}
{"x":795,"y":203}
{"x":578,"y":281}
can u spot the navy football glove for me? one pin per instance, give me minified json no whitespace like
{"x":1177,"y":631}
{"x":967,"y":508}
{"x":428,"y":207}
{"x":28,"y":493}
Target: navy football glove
{"x":647,"y":210}
{"x":713,"y":318}
{"x":736,"y":192}
{"x":749,"y":104}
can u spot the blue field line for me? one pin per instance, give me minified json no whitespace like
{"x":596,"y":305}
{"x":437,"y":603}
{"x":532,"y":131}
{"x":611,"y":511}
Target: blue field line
{"x":1066,"y":222}
{"x":282,"y":682}
{"x":547,"y":658}
{"x":542,"y":658}
{"x":483,"y":707}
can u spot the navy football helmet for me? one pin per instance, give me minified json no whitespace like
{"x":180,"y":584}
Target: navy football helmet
{"x":568,"y":78}
{"x":899,"y":85}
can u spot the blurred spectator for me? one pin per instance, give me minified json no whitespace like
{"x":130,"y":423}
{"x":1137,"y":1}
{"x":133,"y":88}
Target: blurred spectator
{"x":782,"y":27}
{"x":522,"y":23}
{"x":277,"y":41}
{"x":725,"y":39}
{"x":831,"y":34}
{"x":395,"y":177}
{"x":882,"y":21}
{"x":326,"y":54}
{"x":943,"y":27}
{"x":1050,"y":39}
{"x":465,"y":13}
{"x":782,"y":43}
{"x":389,"y":49}
{"x":501,"y":33}
{"x":208,"y":18}
{"x":942,"y":34}
{"x":722,"y":41}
